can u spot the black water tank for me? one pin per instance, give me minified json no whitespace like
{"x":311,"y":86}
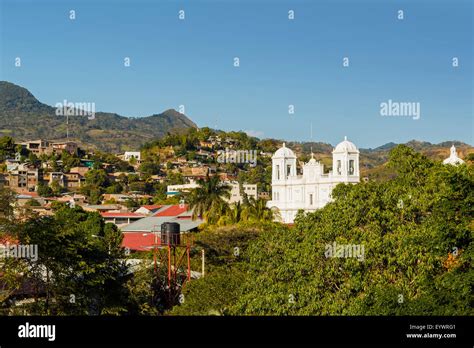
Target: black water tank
{"x":170,"y":232}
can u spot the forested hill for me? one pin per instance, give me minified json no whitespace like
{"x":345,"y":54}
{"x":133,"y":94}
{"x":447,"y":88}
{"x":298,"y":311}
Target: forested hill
{"x":23,"y":117}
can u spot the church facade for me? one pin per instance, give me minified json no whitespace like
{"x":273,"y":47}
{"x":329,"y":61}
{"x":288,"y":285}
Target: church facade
{"x":312,"y":189}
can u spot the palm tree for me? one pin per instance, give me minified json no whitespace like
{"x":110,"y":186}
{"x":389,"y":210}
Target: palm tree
{"x":208,"y":200}
{"x":257,"y":210}
{"x":232,"y":216}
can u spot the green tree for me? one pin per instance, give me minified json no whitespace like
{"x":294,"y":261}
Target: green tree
{"x":256,"y":210}
{"x":416,"y":234}
{"x":44,"y":190}
{"x":7,"y":147}
{"x":80,"y":256}
{"x":32,"y":203}
{"x":69,"y":161}
{"x":150,"y":168}
{"x":226,"y":262}
{"x":207,"y":200}
{"x":97,"y":177}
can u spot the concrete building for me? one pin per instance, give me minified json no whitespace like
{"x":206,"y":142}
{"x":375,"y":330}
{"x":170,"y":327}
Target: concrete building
{"x":237,"y":196}
{"x":24,"y":178}
{"x":68,"y":146}
{"x":129,"y":155}
{"x":38,"y":147}
{"x":121,"y":219}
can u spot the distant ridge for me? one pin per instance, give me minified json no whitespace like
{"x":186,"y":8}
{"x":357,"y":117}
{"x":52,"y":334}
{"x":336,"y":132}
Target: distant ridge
{"x":23,"y":117}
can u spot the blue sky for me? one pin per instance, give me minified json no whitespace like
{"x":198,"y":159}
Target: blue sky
{"x":282,"y":62}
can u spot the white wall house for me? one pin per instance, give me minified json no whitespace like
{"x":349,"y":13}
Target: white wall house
{"x":235,"y":194}
{"x":173,"y":190}
{"x":128,"y":155}
{"x":311,"y":190}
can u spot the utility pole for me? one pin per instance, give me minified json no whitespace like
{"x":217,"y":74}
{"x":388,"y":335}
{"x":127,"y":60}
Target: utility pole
{"x":203,"y":262}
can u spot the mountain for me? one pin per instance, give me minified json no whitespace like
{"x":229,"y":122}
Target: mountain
{"x":23,"y":117}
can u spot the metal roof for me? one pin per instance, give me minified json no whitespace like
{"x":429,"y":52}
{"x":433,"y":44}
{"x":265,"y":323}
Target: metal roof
{"x":153,"y":223}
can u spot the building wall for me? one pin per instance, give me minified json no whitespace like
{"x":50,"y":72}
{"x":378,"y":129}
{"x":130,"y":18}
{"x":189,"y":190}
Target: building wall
{"x":237,"y":196}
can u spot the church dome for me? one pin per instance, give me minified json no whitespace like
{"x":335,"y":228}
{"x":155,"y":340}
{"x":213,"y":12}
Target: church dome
{"x":284,"y":152}
{"x":345,"y":146}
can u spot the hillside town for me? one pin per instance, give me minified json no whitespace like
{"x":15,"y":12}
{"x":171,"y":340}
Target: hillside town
{"x":140,"y":190}
{"x":135,"y":190}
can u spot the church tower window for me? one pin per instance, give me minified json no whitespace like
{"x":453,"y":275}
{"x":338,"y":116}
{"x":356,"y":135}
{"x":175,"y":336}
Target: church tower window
{"x":278,"y":172}
{"x":351,"y":167}
{"x":288,"y":169}
{"x":339,"y":167}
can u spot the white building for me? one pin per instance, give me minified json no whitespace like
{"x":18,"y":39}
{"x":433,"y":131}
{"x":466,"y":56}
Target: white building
{"x":176,"y":189}
{"x":453,"y":158}
{"x":128,"y":155}
{"x":235,"y":194}
{"x":311,"y":190}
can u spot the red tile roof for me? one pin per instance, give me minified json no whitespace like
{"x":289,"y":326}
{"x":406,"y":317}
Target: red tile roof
{"x":152,"y":207}
{"x":139,"y":241}
{"x":124,"y":215}
{"x":173,"y":210}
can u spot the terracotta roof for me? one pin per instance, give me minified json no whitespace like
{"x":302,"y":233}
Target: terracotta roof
{"x":152,"y":207}
{"x":173,"y":210}
{"x":139,"y":241}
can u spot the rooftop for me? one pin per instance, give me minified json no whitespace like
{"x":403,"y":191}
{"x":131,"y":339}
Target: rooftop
{"x":153,"y":223}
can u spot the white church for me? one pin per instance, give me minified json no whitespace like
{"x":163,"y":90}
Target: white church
{"x":311,"y":190}
{"x":453,"y":158}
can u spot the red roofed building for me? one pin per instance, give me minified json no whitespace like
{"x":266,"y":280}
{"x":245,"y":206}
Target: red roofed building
{"x":139,"y":241}
{"x":149,"y":209}
{"x":121,"y":219}
{"x":177,"y":210}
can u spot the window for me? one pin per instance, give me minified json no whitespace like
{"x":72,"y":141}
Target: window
{"x":288,"y":169}
{"x":351,"y":167}
{"x":338,"y":166}
{"x":310,"y":199}
{"x":278,"y":172}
